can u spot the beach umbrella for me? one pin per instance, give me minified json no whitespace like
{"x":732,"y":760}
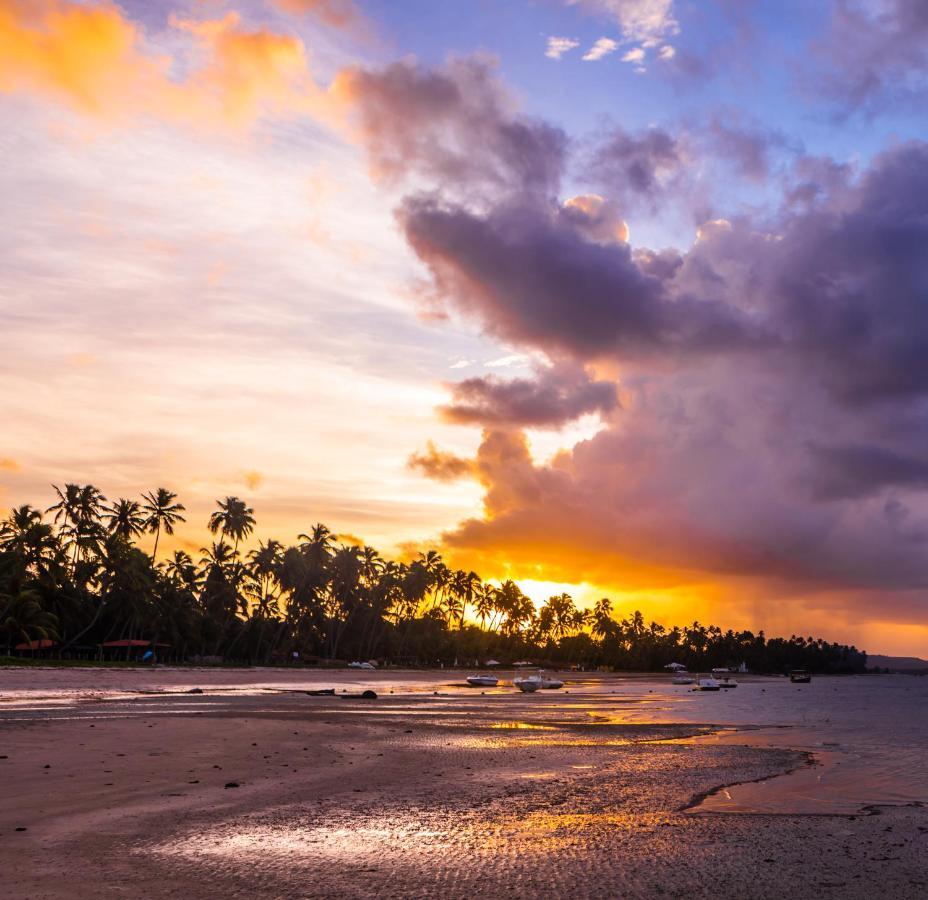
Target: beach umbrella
{"x":675,"y":666}
{"x":492,"y":662}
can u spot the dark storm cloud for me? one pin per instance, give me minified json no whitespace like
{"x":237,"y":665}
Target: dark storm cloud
{"x":557,"y":395}
{"x":857,"y":470}
{"x":773,"y":376}
{"x":529,"y":277}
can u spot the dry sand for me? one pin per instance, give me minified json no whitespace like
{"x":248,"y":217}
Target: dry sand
{"x":407,"y":796}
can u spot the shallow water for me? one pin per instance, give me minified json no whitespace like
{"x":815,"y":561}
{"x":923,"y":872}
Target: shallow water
{"x":866,"y":736}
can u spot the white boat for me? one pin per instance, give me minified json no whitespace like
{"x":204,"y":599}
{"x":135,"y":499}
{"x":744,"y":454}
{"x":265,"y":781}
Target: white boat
{"x":727,"y":682}
{"x":549,"y":682}
{"x":360,"y":665}
{"x":482,"y":680}
{"x":683,"y":678}
{"x":528,"y":685}
{"x":708,"y":684}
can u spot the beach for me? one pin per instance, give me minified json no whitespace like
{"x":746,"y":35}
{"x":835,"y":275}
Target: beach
{"x":124,"y":783}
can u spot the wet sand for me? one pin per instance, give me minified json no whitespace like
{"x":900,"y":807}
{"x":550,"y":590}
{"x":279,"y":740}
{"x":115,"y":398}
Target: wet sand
{"x":412,"y":795}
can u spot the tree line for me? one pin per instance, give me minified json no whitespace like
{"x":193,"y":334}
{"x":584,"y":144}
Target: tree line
{"x":73,"y":575}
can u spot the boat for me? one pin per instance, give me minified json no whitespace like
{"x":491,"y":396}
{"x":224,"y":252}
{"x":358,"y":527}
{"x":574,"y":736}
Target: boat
{"x":528,"y":685}
{"x":361,"y":665}
{"x":800,"y":676}
{"x":727,"y":682}
{"x":549,"y":682}
{"x":482,"y":680}
{"x":721,"y":670}
{"x":683,"y":678}
{"x":707,"y":684}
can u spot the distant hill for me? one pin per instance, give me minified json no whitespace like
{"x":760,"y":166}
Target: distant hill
{"x":897,"y":663}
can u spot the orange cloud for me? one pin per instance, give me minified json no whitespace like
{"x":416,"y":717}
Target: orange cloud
{"x":88,"y":56}
{"x":252,"y":480}
{"x":8,"y":465}
{"x":337,"y":13}
{"x":249,"y":72}
{"x":94,"y":59}
{"x":440,"y":464}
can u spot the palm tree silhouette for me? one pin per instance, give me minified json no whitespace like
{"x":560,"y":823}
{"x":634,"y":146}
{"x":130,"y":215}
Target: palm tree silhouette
{"x":125,"y":518}
{"x":162,"y":512}
{"x":233,"y":519}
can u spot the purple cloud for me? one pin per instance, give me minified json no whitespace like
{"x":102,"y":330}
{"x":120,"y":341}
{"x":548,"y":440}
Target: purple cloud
{"x":555,"y":396}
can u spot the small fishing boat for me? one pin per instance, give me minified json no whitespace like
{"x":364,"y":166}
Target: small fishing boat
{"x":800,"y":676}
{"x":529,"y":685}
{"x":707,"y":684}
{"x":482,"y":680}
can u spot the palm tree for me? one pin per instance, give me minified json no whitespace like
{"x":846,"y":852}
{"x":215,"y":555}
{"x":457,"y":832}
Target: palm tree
{"x":181,"y":569}
{"x":485,"y":603}
{"x":603,"y":623}
{"x":22,"y":617}
{"x":233,"y":519}
{"x":264,"y":569}
{"x":162,"y":512}
{"x":78,"y":511}
{"x":125,"y":518}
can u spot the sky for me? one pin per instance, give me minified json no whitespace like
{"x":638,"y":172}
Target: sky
{"x":617,"y":297}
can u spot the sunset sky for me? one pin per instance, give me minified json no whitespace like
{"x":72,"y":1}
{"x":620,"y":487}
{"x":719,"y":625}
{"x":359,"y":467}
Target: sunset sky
{"x":607,"y":296}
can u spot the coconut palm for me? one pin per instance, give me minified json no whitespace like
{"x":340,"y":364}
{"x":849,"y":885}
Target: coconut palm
{"x":234,"y":519}
{"x":77,"y":514}
{"x":23,"y":618}
{"x":125,"y":518}
{"x":162,"y":513}
{"x":182,"y":570}
{"x":264,"y":570}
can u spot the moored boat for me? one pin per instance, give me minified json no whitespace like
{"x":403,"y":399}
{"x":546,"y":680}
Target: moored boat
{"x":800,"y":676}
{"x":707,"y":684}
{"x":482,"y":680}
{"x":528,"y":685}
{"x":682,"y":678}
{"x":727,"y":682}
{"x":549,"y":682}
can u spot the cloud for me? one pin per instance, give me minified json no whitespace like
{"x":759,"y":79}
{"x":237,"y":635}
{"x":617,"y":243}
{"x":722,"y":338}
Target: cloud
{"x":455,"y":126}
{"x":746,"y":145}
{"x":667,"y":52}
{"x":440,"y":465}
{"x":521,"y":273}
{"x":8,"y":465}
{"x":636,"y":54}
{"x":772,"y":376}
{"x":641,"y":21}
{"x":94,"y":59}
{"x":555,"y":395}
{"x":873,"y":56}
{"x":89,"y":56}
{"x":558,"y":46}
{"x":640,"y":168}
{"x":337,"y":13}
{"x":602,"y":47}
{"x":252,"y":479}
{"x":597,"y":218}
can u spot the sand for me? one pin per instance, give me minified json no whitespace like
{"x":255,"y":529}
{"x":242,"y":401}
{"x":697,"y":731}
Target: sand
{"x":274,"y":794}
